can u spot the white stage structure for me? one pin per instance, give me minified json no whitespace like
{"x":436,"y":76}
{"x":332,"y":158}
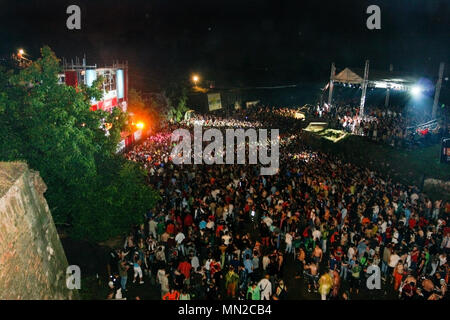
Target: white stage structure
{"x":438,"y":90}
{"x":388,"y":80}
{"x":364,"y":89}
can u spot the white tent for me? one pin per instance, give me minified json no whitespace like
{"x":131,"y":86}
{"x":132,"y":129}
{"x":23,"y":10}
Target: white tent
{"x":348,"y":76}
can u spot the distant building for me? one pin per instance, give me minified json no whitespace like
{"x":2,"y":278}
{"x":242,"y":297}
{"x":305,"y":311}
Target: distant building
{"x":115,"y":82}
{"x":114,"y":86}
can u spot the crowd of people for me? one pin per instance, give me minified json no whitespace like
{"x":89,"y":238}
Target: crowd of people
{"x":221,"y":122}
{"x":318,"y":228}
{"x":392,"y":126}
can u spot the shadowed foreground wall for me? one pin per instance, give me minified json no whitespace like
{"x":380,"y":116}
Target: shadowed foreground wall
{"x":32,"y":261}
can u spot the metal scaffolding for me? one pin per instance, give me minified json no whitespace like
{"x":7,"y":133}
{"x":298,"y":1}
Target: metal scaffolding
{"x":330,"y":92}
{"x":364,"y":89}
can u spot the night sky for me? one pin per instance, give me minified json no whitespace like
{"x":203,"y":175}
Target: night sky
{"x":235,"y":43}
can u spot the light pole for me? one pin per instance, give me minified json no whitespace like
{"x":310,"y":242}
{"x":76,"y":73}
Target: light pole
{"x":21,"y":59}
{"x":195,"y":78}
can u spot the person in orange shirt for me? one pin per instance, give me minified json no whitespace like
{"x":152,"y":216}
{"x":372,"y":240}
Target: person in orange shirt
{"x":327,"y":214}
{"x":185,"y":268}
{"x":365,"y":221}
{"x":399,"y":273}
{"x":170,"y":228}
{"x":172,"y":295}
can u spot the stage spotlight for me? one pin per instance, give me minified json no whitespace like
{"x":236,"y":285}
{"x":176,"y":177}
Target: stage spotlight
{"x":416,"y":91}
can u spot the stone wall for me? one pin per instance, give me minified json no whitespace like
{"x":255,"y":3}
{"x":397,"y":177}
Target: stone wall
{"x":32,"y":261}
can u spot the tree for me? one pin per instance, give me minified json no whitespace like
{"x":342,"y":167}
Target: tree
{"x":148,"y":111}
{"x":177,"y":101}
{"x":51,"y":127}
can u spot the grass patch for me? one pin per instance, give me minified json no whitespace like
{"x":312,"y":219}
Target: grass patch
{"x":91,"y":289}
{"x":316,"y":126}
{"x":332,"y":135}
{"x":320,"y":129}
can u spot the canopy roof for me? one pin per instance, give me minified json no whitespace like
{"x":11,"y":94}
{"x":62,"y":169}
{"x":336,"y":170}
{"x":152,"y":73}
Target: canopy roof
{"x":376,"y":78}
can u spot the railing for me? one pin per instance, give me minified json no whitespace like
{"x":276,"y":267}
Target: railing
{"x":430,"y":125}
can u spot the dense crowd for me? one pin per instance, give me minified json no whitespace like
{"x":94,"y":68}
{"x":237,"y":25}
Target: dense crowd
{"x":226,"y":232}
{"x":221,"y":122}
{"x":391,"y":125}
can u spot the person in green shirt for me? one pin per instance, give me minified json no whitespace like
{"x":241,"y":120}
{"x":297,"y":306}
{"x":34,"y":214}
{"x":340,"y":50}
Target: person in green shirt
{"x":160,"y":228}
{"x":253,"y":292}
{"x":356,"y":277}
{"x":427,"y":257}
{"x":309,"y":245}
{"x":231,"y":282}
{"x":185,"y":295}
{"x":363,"y":261}
{"x":296,"y":243}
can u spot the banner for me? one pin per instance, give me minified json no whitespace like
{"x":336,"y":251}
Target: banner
{"x":91,"y":76}
{"x":107,"y":105}
{"x":71,"y":78}
{"x":120,"y":83}
{"x":250,"y":104}
{"x":214,"y":101}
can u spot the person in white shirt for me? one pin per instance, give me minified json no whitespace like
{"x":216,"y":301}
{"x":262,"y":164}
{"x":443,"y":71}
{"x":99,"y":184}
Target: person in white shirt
{"x":118,"y":295}
{"x":393,"y":261}
{"x":268,"y":221}
{"x":350,"y":253}
{"x":159,"y":275}
{"x":265,"y":262}
{"x":226,"y":238}
{"x":288,"y":240}
{"x":179,"y":238}
{"x":395,"y":236}
{"x":414,"y":197}
{"x":225,"y":213}
{"x":207,"y":267}
{"x":210,"y":225}
{"x":230,"y":209}
{"x":152,"y":227}
{"x":383,"y":226}
{"x":445,"y":244}
{"x":343,"y":215}
{"x":265,"y":286}
{"x":194,"y":262}
{"x":164,"y":281}
{"x":376,"y":209}
{"x":316,"y":234}
{"x":214,"y":193}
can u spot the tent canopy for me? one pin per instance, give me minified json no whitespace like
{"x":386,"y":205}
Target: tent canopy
{"x":381,"y":79}
{"x":348,"y":76}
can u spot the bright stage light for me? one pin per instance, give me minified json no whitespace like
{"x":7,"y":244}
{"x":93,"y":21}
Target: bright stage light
{"x":140,"y":125}
{"x":416,"y":91}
